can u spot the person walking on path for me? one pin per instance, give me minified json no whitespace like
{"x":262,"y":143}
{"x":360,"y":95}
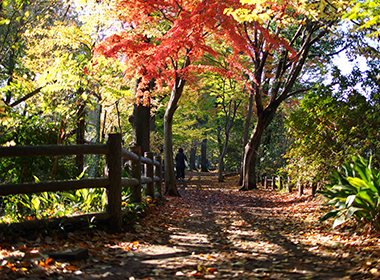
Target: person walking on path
{"x":181,"y":163}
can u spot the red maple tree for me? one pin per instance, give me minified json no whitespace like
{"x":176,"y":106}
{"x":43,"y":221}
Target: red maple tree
{"x":166,"y":40}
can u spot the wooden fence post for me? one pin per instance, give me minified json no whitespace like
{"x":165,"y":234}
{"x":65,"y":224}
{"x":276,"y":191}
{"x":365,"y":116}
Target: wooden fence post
{"x":113,"y":206}
{"x":136,"y":173}
{"x":158,"y":173}
{"x":265,"y":182}
{"x":273,"y":182}
{"x":279,"y":182}
{"x":149,"y":173}
{"x":289,"y":184}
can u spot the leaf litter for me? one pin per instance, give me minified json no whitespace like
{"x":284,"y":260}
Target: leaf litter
{"x":212,"y":232}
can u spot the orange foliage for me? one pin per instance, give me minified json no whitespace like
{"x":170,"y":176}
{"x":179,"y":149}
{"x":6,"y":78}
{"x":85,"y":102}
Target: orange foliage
{"x":160,"y":35}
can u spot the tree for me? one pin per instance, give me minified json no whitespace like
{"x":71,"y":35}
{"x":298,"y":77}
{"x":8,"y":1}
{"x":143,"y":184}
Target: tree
{"x":228,"y":97}
{"x":278,"y":36}
{"x":274,"y":143}
{"x":17,"y":17}
{"x":365,"y":15}
{"x":165,"y":41}
{"x":343,"y":125}
{"x":71,"y":84}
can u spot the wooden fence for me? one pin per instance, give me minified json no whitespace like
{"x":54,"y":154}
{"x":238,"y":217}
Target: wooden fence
{"x":113,"y":183}
{"x":273,"y":182}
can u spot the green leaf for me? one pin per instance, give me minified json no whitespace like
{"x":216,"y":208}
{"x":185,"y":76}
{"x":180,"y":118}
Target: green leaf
{"x":36,"y":203}
{"x":36,"y":179}
{"x":358,"y":183}
{"x":352,"y":210}
{"x":69,"y":196}
{"x":340,"y":220}
{"x":370,"y":199}
{"x":5,"y":21}
{"x":350,"y":199}
{"x":329,"y":215}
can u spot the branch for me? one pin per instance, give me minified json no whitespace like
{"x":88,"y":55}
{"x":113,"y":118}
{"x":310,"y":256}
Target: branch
{"x":29,"y":95}
{"x":164,"y":15}
{"x":297,"y":91}
{"x":334,"y":53}
{"x":296,"y":35}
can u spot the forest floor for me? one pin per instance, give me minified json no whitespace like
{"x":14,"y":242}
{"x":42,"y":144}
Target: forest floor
{"x":212,"y":232}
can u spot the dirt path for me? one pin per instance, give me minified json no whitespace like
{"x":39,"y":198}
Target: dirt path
{"x":220,"y":233}
{"x":215,"y":232}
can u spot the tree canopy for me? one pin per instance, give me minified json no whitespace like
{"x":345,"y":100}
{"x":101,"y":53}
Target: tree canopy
{"x":236,"y":57}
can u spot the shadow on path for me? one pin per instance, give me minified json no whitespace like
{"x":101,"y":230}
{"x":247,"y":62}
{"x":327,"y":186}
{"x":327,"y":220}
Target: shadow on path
{"x":215,"y":232}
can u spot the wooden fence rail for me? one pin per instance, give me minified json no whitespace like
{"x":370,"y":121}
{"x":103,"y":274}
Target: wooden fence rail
{"x":113,"y":183}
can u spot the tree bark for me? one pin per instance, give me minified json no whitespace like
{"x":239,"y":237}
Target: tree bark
{"x":204,"y":156}
{"x":177,"y":90}
{"x":229,"y":122}
{"x":263,"y":118}
{"x":246,"y":133}
{"x":221,"y":160}
{"x":80,"y":133}
{"x":193,"y":152}
{"x":141,"y":121}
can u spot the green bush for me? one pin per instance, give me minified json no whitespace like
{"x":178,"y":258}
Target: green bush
{"x":354,"y":193}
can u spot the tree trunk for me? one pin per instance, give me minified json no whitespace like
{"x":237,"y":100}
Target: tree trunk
{"x":140,"y":121}
{"x":300,"y":189}
{"x":246,"y":133}
{"x":221,"y":157}
{"x":230,"y":118}
{"x":193,"y":152}
{"x":94,"y":168}
{"x":280,"y":85}
{"x":222,"y":153}
{"x":204,"y":156}
{"x":252,"y":174}
{"x":279,"y":182}
{"x":170,"y":181}
{"x":80,"y":133}
{"x":251,"y":150}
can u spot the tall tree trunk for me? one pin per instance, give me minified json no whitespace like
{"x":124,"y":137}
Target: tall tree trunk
{"x":10,"y":72}
{"x":263,"y":119}
{"x":193,"y":152}
{"x":246,"y":133}
{"x":177,"y":90}
{"x":221,"y":159}
{"x":229,"y":122}
{"x":140,"y":121}
{"x":80,"y":133}
{"x":204,"y":156}
{"x":170,"y":182}
{"x":93,"y":170}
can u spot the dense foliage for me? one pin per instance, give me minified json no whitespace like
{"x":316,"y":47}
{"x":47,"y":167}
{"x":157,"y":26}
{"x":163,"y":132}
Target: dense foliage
{"x":354,"y":193}
{"x":344,"y":124}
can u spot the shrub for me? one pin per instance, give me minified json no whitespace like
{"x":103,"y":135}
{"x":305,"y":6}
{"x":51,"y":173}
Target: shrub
{"x":354,"y":193}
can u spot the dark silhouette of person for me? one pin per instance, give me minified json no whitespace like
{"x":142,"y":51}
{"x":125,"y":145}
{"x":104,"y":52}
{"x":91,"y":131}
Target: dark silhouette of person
{"x":180,"y":159}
